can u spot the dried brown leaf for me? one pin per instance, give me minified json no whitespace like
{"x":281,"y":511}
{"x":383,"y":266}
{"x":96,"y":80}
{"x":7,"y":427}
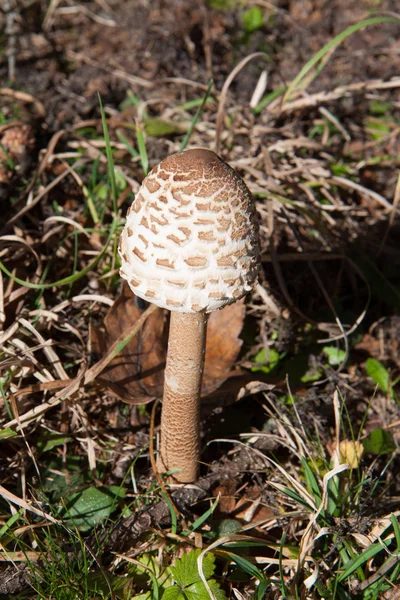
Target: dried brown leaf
{"x":223,"y":344}
{"x":136,"y":375}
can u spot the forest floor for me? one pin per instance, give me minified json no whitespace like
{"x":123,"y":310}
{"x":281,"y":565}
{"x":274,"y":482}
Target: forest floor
{"x":299,"y":491}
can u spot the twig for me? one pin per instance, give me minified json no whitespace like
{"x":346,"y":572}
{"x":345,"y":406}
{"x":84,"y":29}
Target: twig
{"x":277,"y":108}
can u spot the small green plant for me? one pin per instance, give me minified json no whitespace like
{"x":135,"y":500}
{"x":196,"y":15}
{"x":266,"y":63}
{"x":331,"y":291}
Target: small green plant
{"x":378,"y":442}
{"x":187,"y":583}
{"x":266,"y":362}
{"x":61,"y":574}
{"x":253,"y":19}
{"x":181,"y":581}
{"x":380,"y":375}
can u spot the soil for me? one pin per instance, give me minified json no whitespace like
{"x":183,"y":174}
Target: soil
{"x":75,"y":57}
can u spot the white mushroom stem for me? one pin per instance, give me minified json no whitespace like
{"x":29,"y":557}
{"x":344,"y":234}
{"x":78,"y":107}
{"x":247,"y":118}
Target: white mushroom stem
{"x":180,"y":417}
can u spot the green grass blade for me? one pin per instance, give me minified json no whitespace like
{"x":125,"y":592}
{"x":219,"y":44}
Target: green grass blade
{"x":396,"y":529}
{"x":246,"y":566}
{"x":186,"y":139}
{"x":297,"y":498}
{"x":311,"y":482}
{"x":194,"y":103}
{"x":91,"y":206}
{"x":8,"y":524}
{"x":174,"y":521}
{"x":110,"y":161}
{"x":260,"y":593}
{"x":360,"y":560}
{"x":132,"y":151}
{"x":268,"y":99}
{"x":282,"y":584}
{"x":198,"y":522}
{"x":144,"y":159}
{"x":330,"y":46}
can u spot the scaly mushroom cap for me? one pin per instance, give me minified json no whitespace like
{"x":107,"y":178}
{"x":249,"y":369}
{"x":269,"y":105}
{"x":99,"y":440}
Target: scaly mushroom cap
{"x":190,"y":242}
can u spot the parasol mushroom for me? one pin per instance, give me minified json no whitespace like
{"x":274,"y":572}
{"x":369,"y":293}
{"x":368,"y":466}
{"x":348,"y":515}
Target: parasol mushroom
{"x":190,"y":245}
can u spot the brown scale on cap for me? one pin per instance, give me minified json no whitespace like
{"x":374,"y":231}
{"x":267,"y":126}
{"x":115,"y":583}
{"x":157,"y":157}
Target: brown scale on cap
{"x":164,"y":262}
{"x":207,"y":236}
{"x":175,"y":239}
{"x":196,"y":261}
{"x":186,"y":231}
{"x":139,"y":254}
{"x":152,"y":185}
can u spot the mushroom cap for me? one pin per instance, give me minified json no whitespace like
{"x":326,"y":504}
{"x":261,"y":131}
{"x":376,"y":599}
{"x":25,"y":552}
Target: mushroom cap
{"x":191,"y":239}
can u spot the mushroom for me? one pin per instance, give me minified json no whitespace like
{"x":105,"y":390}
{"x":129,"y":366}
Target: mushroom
{"x":190,"y":245}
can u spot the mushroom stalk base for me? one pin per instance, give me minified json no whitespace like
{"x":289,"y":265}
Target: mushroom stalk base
{"x":180,"y":416}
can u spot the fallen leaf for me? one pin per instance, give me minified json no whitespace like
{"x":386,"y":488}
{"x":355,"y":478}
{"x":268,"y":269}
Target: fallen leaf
{"x":223,"y":344}
{"x":226,"y":493}
{"x":163,"y":127}
{"x":136,"y":375}
{"x":350,"y":452}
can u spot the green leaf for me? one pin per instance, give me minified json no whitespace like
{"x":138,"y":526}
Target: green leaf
{"x":141,"y":573}
{"x":312,"y":483}
{"x":121,"y":586}
{"x":379,"y":374}
{"x":198,"y":591}
{"x":173,"y":593}
{"x":268,"y":99}
{"x":268,"y":363}
{"x":60,"y":479}
{"x":335,"y":355}
{"x":379,"y":441}
{"x":396,"y":529}
{"x":379,"y":108}
{"x":7,"y":433}
{"x":261,"y":589}
{"x":185,"y":570}
{"x":110,"y":161}
{"x":48,"y":441}
{"x":222,"y":4}
{"x":297,"y":498}
{"x":253,"y":19}
{"x":7,"y":526}
{"x":189,"y":586}
{"x":162,"y":127}
{"x":310,"y":375}
{"x":91,"y":507}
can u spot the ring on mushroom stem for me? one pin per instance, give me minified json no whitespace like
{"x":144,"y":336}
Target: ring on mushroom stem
{"x":190,"y":245}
